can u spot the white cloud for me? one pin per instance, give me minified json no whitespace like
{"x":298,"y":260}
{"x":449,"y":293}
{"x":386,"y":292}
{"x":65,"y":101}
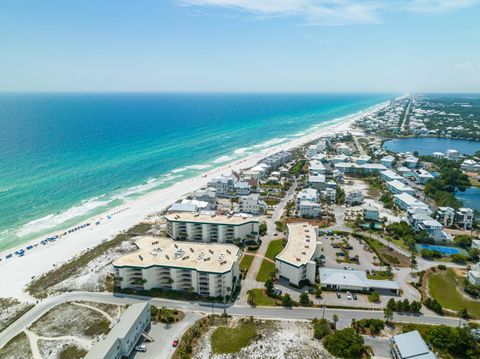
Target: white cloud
{"x":332,"y":12}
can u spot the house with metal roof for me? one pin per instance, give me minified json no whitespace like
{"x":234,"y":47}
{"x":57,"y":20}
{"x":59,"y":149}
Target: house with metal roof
{"x":410,"y":345}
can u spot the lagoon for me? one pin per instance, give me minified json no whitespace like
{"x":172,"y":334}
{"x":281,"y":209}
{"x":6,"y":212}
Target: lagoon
{"x":429,"y":145}
{"x":470,"y":198}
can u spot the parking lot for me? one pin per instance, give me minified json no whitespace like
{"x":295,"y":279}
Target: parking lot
{"x":164,"y":335}
{"x":332,"y":244}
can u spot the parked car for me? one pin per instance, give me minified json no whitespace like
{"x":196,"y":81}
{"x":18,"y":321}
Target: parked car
{"x":141,"y":348}
{"x":338,"y":295}
{"x":277,"y":292}
{"x":175,"y":343}
{"x":354,"y":295}
{"x":311,"y":290}
{"x":349,"y":296}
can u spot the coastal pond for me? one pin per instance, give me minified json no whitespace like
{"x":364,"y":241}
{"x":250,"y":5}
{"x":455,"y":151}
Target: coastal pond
{"x":429,"y":145}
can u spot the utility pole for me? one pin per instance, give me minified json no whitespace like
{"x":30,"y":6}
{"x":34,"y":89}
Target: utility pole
{"x":323,"y":314}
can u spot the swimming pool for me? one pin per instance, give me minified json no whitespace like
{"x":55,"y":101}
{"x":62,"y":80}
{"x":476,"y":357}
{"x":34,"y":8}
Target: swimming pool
{"x":442,"y":249}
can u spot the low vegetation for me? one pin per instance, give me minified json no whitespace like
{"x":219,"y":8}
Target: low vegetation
{"x":17,"y":348}
{"x":345,"y":343}
{"x":10,"y":310}
{"x":72,"y":352}
{"x":233,"y":339}
{"x":40,"y":286}
{"x":444,"y":288}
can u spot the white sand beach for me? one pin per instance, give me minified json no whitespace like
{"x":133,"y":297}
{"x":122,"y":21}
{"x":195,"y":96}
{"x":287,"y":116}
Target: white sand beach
{"x":17,"y":271}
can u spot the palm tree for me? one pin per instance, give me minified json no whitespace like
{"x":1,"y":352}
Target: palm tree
{"x":335,"y":320}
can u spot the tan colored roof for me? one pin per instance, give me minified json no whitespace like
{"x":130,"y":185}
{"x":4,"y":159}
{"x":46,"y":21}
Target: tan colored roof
{"x":206,"y":218}
{"x":301,"y":244}
{"x":203,"y":257}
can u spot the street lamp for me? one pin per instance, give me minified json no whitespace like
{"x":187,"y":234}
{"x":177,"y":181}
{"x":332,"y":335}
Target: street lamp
{"x":323,"y":314}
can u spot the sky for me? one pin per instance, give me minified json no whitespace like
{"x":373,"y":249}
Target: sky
{"x":240,"y":45}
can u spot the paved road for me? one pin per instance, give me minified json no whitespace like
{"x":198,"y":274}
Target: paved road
{"x":345,"y":315}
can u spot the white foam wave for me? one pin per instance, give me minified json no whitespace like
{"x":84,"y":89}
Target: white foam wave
{"x":53,"y":220}
{"x":242,"y":150}
{"x":272,"y":142}
{"x":191,"y":167}
{"x":223,"y":159}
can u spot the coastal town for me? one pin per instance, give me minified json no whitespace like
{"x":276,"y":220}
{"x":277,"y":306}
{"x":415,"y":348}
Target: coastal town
{"x":341,"y":246}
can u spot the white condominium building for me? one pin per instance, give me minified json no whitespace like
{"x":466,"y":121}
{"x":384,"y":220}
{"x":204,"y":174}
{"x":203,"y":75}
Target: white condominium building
{"x":296,"y":262}
{"x":207,"y":269}
{"x":397,"y":187}
{"x":198,"y":227}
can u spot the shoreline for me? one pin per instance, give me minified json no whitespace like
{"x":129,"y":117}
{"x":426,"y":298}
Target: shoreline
{"x":19,"y":270}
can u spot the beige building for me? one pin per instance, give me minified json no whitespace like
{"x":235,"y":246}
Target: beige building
{"x":296,"y":263}
{"x":207,"y":269}
{"x":211,"y":228}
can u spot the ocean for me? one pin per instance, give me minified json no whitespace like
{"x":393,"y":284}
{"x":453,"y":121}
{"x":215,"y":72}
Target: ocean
{"x":68,"y":157}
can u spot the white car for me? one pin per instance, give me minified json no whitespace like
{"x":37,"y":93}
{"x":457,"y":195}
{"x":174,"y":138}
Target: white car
{"x":141,"y":348}
{"x":349,"y":296}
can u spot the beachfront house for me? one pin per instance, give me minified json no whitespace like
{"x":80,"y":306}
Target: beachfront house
{"x":277,"y":159}
{"x":199,"y":227}
{"x":311,"y":151}
{"x":207,"y":269}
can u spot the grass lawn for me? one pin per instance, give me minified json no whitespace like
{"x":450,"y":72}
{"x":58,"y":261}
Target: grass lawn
{"x":388,"y":255}
{"x":274,"y":248}
{"x":380,"y":275}
{"x":443,"y":287}
{"x":400,"y":243}
{"x":261,"y":298}
{"x":232,"y":340}
{"x":266,"y":269}
{"x":246,"y":262}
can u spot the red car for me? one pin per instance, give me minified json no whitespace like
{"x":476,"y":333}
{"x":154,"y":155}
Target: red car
{"x":175,"y":343}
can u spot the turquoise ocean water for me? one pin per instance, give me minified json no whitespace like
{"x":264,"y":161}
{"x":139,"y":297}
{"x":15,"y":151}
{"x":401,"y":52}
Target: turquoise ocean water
{"x":67,"y":157}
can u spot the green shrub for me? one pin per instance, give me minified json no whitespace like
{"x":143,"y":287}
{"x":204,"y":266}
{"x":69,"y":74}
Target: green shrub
{"x":345,"y":343}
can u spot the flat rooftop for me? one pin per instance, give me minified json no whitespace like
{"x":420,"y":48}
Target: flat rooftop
{"x":301,"y":244}
{"x":353,"y":278}
{"x":165,"y":252}
{"x":210,"y":219}
{"x":412,"y":345}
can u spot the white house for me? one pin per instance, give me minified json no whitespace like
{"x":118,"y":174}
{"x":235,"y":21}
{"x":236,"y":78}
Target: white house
{"x":342,"y":148}
{"x":411,"y":162}
{"x":397,"y":187}
{"x":390,"y":175}
{"x":470,"y":166}
{"x":446,"y":216}
{"x":404,"y":201}
{"x":474,"y":274}
{"x":252,"y":204}
{"x":307,"y":209}
{"x":363,"y":159}
{"x":340,"y":159}
{"x":311,"y":151}
{"x":422,"y":176}
{"x":354,"y":198}
{"x":387,"y":161}
{"x":316,"y":168}
{"x":452,"y":154}
{"x":307,"y":194}
{"x":329,"y":194}
{"x":410,"y":346}
{"x":317,"y":182}
{"x":296,"y":262}
{"x":464,"y":218}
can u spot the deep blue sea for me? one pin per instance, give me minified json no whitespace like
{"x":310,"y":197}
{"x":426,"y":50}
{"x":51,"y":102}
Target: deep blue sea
{"x":67,"y":157}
